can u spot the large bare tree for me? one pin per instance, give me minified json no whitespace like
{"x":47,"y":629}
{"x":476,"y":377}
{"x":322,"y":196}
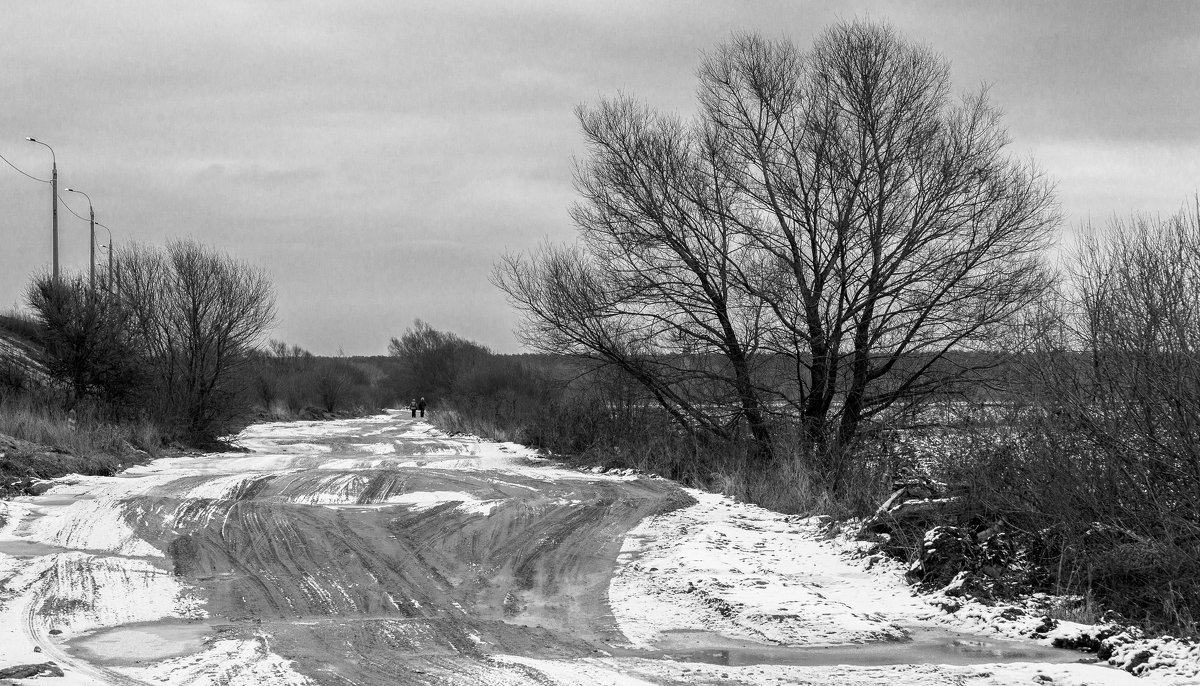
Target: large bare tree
{"x":196,"y":314}
{"x":834,"y":208}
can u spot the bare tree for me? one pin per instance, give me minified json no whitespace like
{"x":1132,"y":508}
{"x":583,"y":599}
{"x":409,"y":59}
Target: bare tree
{"x":897,"y":234}
{"x":197,"y":313}
{"x":1137,"y":316}
{"x":835,"y":208}
{"x":1120,"y":382}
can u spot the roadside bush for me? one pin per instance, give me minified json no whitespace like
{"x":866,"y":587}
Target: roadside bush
{"x":86,"y":343}
{"x":1077,"y":527}
{"x":1131,"y":405}
{"x":13,"y":378}
{"x":1092,"y":472}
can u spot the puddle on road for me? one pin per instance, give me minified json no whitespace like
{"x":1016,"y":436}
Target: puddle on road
{"x":61,"y":500}
{"x":143,"y":642}
{"x":925,"y":646}
{"x":24,"y":550}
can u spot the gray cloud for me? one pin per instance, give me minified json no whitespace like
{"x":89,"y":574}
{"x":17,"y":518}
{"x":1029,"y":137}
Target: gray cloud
{"x":376,"y":157}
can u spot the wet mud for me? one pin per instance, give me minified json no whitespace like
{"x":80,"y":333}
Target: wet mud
{"x":923,"y":645}
{"x":368,"y":592}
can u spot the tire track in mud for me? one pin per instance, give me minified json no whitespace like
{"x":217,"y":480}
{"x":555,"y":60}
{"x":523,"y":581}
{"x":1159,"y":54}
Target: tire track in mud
{"x":356,"y":582}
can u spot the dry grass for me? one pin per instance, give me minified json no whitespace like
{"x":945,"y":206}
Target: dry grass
{"x":88,"y":445}
{"x":1080,"y":609}
{"x":788,"y":485}
{"x":452,"y":421}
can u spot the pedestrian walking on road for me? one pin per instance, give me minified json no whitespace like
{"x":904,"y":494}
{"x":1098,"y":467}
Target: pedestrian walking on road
{"x":412,"y":406}
{"x":421,"y":407}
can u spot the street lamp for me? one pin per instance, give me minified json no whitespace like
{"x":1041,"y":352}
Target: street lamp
{"x":53,"y":200}
{"x":91,"y":243}
{"x":109,"y":249}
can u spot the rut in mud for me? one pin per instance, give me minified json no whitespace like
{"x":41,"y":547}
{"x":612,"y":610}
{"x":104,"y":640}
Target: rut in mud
{"x":348,"y":585}
{"x":396,"y":554}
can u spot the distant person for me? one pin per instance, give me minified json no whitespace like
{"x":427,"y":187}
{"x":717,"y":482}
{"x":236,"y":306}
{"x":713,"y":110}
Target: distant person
{"x":412,"y":405}
{"x":421,"y":406}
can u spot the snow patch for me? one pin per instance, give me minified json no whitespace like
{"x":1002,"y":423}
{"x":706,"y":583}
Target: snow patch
{"x":749,"y":574}
{"x":375,"y":448}
{"x":89,"y":525}
{"x":76,"y":592}
{"x":427,"y":499}
{"x":230,"y":662}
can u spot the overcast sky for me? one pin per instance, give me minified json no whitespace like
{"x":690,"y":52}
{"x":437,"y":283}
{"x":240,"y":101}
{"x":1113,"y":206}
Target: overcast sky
{"x":377,"y":156}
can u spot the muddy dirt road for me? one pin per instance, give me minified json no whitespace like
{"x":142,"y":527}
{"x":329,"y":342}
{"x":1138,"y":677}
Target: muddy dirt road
{"x":380,"y":551}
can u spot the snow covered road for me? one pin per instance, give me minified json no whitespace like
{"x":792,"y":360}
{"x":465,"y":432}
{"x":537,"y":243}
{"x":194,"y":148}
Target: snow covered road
{"x":381,"y":551}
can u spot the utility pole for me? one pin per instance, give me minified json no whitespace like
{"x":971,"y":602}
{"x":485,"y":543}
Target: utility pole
{"x":91,"y":243}
{"x":92,"y":249}
{"x":110,"y":251}
{"x":53,"y":200}
{"x":54,"y":213}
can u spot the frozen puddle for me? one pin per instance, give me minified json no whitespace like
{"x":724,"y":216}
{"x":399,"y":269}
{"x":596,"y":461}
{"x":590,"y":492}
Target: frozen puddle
{"x":23,"y":549}
{"x":143,"y":642}
{"x":924,"y":646}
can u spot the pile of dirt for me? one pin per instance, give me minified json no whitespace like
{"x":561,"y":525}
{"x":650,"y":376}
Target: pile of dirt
{"x":927,"y":524}
{"x":31,"y":671}
{"x":26,"y":468}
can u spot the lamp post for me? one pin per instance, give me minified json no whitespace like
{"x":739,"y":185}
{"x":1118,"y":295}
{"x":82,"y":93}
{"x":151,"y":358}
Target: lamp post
{"x":53,"y":200}
{"x":91,"y":243}
{"x":109,"y":249}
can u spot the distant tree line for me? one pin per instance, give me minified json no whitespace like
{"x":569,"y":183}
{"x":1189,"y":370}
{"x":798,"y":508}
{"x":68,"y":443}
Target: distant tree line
{"x":290,"y":382}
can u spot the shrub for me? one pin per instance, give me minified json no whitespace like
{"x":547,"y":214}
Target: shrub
{"x":86,"y":342}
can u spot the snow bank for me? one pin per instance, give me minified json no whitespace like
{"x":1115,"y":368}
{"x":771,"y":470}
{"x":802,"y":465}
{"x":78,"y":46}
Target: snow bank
{"x":749,"y":574}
